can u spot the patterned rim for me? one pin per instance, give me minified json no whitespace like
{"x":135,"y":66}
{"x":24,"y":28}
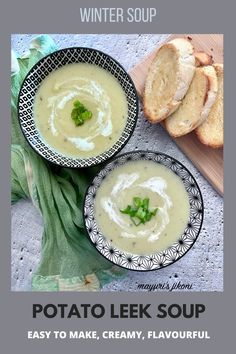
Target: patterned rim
{"x":160,"y":259}
{"x":52,"y":62}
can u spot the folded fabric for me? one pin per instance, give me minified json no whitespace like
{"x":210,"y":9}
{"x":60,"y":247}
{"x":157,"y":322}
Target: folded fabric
{"x":69,"y":262}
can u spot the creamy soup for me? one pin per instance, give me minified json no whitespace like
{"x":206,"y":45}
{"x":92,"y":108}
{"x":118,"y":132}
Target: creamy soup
{"x":164,"y":190}
{"x":99,"y":92}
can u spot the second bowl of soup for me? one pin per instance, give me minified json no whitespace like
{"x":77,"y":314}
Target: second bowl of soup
{"x":143,"y":211}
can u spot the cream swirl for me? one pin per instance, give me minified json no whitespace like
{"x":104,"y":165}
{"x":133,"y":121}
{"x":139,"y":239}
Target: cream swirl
{"x":157,"y":185}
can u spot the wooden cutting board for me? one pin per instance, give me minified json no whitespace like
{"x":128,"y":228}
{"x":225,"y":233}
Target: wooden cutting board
{"x":207,"y":160}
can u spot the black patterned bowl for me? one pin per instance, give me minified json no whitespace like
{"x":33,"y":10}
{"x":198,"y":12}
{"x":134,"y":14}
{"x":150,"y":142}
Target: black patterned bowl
{"x":160,"y":259}
{"x":51,"y":63}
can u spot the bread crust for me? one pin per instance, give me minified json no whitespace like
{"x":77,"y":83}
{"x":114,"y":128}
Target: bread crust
{"x":185,"y":71}
{"x":210,"y":144}
{"x":203,"y":59}
{"x":208,"y":140}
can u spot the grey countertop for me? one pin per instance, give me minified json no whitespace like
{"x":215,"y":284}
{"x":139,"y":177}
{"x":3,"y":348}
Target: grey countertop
{"x":203,"y":265}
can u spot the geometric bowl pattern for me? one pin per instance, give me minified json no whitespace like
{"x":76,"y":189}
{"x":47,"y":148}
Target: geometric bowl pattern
{"x":157,"y":260}
{"x":51,"y":63}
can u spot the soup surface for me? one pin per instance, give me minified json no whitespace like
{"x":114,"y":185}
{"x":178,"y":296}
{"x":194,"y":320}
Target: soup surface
{"x":99,"y":92}
{"x":142,"y":179}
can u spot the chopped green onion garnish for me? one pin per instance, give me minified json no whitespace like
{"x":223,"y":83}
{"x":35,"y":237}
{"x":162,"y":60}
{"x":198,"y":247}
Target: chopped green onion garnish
{"x":80,"y":113}
{"x":139,"y":212}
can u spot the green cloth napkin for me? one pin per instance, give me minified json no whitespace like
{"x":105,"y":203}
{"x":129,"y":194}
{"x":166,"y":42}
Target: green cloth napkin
{"x":69,"y":262}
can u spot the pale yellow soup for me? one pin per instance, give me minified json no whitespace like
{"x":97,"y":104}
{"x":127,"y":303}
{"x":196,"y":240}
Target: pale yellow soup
{"x":144,"y":179}
{"x":99,"y":92}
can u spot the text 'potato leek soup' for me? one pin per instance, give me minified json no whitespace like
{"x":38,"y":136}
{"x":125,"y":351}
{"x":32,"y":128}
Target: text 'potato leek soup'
{"x":142,"y":207}
{"x":80,"y":110}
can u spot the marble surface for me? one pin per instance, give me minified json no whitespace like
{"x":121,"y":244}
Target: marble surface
{"x":202,"y":267}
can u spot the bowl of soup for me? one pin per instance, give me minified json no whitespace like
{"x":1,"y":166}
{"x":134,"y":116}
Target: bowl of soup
{"x":143,"y":210}
{"x":77,"y":107}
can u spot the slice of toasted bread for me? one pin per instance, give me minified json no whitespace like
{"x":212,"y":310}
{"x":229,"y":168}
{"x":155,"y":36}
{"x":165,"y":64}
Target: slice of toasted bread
{"x":196,"y":105}
{"x":168,"y":79}
{"x":211,"y":132}
{"x":202,"y":59}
